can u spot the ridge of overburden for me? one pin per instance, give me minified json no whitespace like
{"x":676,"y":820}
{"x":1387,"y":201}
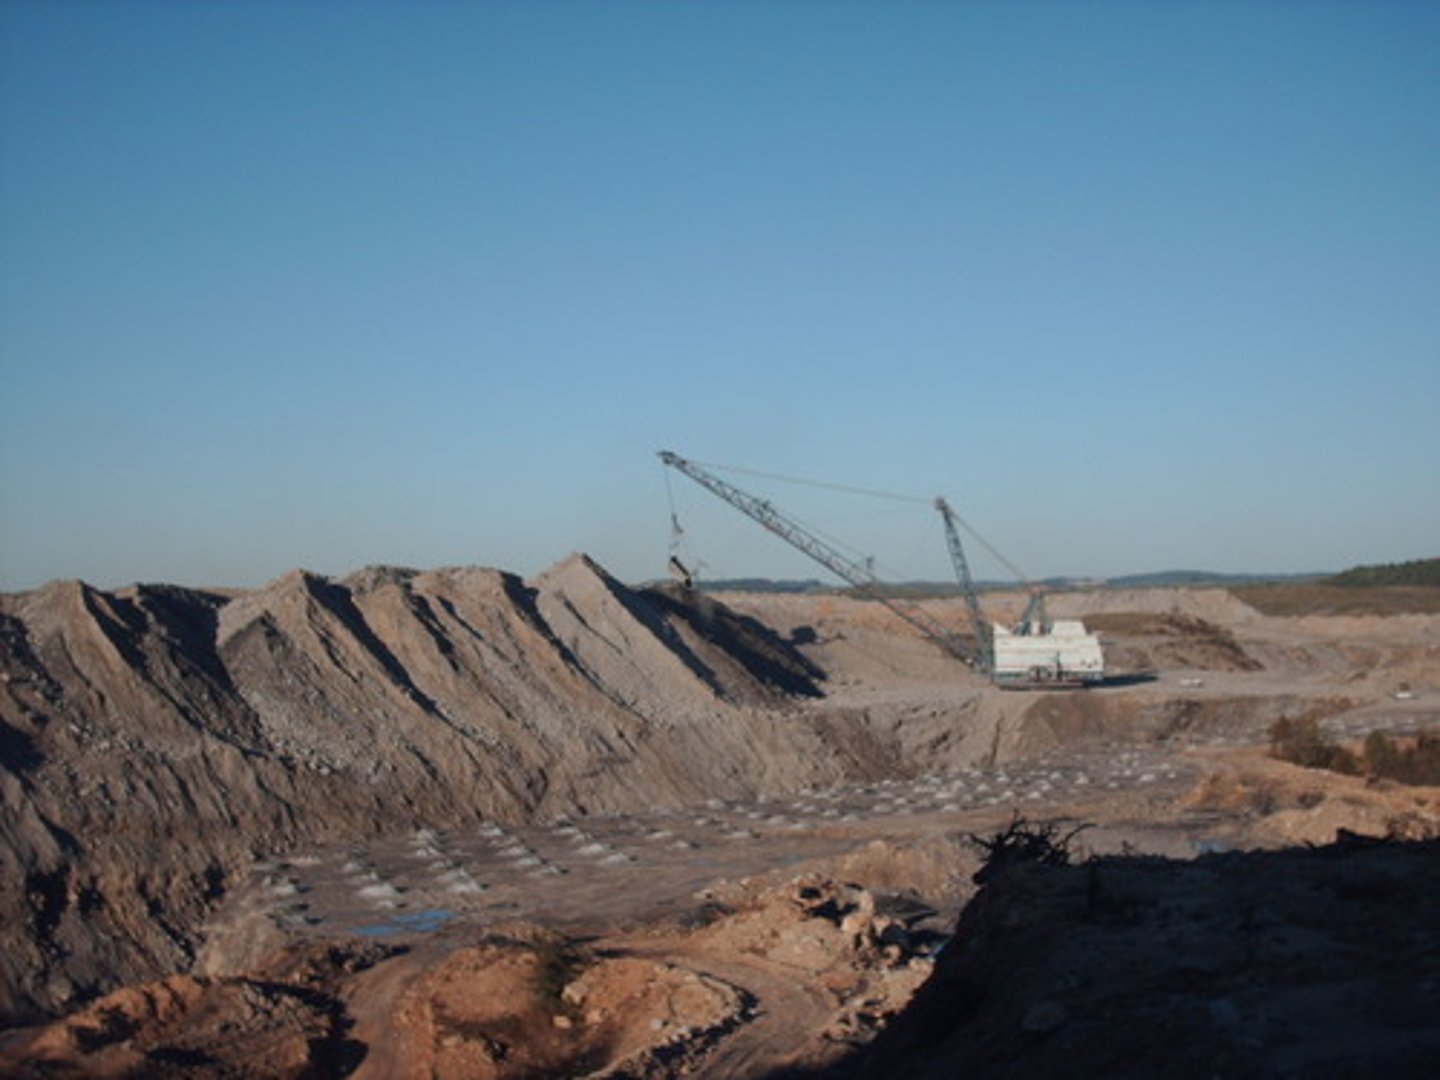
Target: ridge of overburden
{"x":158,"y":739}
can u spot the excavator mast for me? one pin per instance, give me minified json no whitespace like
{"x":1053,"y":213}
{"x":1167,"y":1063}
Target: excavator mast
{"x":984,"y":636}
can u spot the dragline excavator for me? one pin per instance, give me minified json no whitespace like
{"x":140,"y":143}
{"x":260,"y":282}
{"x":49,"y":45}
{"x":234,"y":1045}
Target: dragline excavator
{"x":1036,"y":652}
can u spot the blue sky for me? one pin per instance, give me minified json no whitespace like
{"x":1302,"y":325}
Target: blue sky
{"x":1137,"y":286}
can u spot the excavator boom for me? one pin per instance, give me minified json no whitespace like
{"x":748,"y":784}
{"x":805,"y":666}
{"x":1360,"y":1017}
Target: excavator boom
{"x":857,"y":574}
{"x":1036,"y":653}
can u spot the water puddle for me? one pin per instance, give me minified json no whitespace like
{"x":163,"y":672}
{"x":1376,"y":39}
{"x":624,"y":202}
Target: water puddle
{"x":414,"y":922}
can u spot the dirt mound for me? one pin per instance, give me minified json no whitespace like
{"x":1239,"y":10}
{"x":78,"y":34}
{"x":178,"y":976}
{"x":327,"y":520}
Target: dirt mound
{"x":158,"y":739}
{"x":748,"y":661}
{"x":1300,"y":963}
{"x":1148,"y":641}
{"x":1288,"y":804}
{"x":1219,"y":606}
{"x":283,"y":1021}
{"x":860,"y":642}
{"x":544,"y":1007}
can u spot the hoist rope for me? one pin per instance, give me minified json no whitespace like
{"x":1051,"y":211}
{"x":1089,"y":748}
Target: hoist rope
{"x":675,"y":530}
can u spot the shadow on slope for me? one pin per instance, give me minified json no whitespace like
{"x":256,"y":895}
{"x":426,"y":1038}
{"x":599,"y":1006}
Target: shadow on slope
{"x":1303,"y":962}
{"x":763,"y":654}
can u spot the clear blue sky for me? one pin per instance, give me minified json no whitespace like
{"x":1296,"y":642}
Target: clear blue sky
{"x":1138,"y":286}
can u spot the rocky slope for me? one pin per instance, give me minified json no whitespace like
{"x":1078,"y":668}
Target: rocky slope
{"x":157,"y":739}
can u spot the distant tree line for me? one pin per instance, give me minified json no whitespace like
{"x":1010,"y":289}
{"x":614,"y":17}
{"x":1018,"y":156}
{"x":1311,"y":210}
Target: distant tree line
{"x":1415,"y":572}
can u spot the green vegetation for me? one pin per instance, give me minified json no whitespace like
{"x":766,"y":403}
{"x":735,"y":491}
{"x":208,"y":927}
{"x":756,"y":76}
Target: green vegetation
{"x":1318,"y":598}
{"x":1301,"y":742}
{"x":1423,"y":572}
{"x":1415,"y":761}
{"x":1388,"y":589}
{"x":1407,"y":761}
{"x":764,"y":585}
{"x":1198,"y":579}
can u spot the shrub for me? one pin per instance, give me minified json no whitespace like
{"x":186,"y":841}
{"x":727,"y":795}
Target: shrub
{"x":1417,"y":763}
{"x":1301,"y":742}
{"x":1417,"y":572}
{"x":1024,"y":842}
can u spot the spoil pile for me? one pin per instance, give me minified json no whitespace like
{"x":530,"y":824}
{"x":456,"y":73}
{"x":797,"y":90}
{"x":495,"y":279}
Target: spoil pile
{"x":158,"y":739}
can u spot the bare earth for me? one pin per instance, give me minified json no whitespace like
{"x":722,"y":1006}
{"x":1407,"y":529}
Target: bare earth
{"x":454,"y":824}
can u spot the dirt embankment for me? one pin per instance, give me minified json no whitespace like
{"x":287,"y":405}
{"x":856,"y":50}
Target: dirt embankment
{"x":1320,"y":962}
{"x":1150,"y":641}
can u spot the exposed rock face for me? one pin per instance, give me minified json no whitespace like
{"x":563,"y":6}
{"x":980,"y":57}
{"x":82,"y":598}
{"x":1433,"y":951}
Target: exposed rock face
{"x":131,"y":763}
{"x":156,"y":739}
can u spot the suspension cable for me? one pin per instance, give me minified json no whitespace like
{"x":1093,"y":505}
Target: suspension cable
{"x":1020,"y":575}
{"x":872,"y":492}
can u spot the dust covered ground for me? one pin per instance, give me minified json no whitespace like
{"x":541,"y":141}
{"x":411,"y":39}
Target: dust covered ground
{"x":749,"y":866}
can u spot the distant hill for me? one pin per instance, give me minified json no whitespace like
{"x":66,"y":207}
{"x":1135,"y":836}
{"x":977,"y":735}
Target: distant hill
{"x":1386,"y":589}
{"x":1415,"y":572}
{"x":764,"y":585}
{"x":1173,"y":578}
{"x":914,"y":590}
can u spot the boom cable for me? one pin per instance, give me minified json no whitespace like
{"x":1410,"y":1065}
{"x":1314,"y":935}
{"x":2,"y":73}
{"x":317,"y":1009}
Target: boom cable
{"x":1020,"y":575}
{"x":872,"y":492}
